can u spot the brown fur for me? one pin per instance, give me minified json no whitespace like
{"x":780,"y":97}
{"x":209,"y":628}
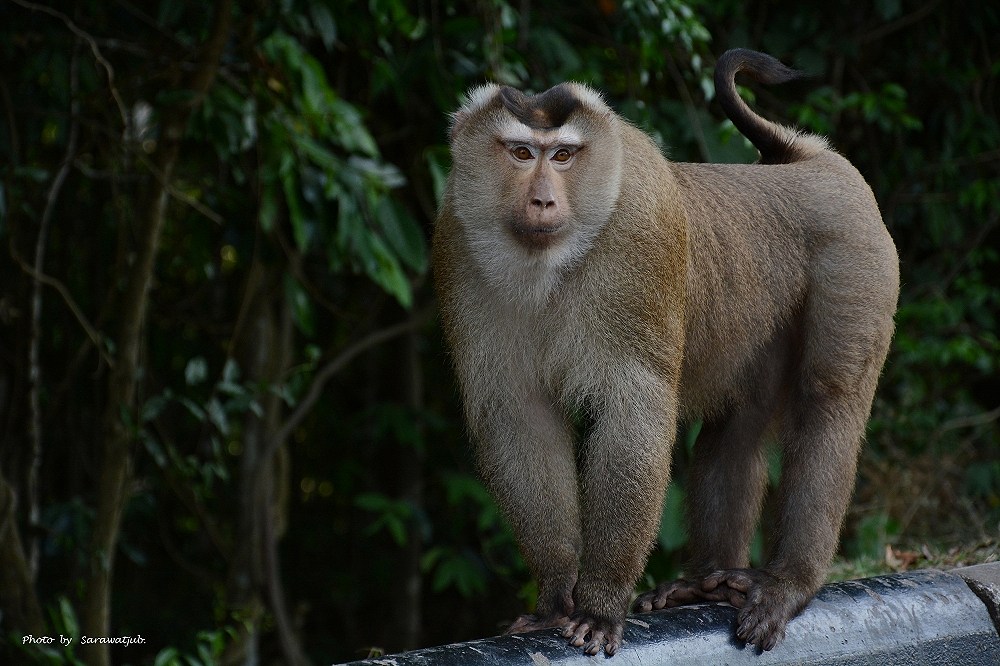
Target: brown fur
{"x":757,"y":297}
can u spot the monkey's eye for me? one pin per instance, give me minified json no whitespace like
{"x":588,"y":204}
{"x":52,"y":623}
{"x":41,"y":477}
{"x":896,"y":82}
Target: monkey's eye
{"x":522,"y":153}
{"x":562,"y":156}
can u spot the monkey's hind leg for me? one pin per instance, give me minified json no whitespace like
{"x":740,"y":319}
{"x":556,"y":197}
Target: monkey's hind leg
{"x":820,"y":452}
{"x":725,"y":490}
{"x":726,"y":487}
{"x":822,"y":429}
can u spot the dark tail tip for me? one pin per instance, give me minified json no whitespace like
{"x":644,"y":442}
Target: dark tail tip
{"x":777,"y":144}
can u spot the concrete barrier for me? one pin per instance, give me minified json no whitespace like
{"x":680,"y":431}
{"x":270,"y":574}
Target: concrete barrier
{"x":921,"y":617}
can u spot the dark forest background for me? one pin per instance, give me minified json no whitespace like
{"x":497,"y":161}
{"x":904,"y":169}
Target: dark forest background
{"x":227,"y":423}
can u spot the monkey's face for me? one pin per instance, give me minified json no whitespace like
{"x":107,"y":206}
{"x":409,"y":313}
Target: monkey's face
{"x":534,"y":179}
{"x":536,"y":171}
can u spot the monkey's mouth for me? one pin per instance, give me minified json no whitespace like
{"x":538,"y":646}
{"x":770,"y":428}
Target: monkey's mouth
{"x":536,"y":237}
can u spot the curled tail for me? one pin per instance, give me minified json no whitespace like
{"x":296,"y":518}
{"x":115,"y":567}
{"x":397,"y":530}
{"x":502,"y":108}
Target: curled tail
{"x":777,"y":144}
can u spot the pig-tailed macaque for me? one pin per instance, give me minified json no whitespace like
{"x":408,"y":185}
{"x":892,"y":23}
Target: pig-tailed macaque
{"x":580,"y":272}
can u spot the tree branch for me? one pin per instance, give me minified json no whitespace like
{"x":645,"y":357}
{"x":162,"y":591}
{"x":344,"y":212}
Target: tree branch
{"x":35,"y":342}
{"x":91,"y":42}
{"x":95,"y":336}
{"x":15,"y":141}
{"x":971,"y":421}
{"x":335,"y":366}
{"x":286,"y":632}
{"x":883,"y":30}
{"x":180,"y":196}
{"x":117,"y":436}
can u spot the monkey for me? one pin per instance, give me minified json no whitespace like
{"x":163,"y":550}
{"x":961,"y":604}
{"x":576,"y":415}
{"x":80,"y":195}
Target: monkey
{"x":579,"y":271}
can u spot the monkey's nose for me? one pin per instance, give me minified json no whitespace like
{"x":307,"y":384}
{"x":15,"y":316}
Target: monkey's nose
{"x":544,"y":204}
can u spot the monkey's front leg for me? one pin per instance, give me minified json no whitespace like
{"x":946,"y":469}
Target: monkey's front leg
{"x":626,"y":473}
{"x":525,"y":453}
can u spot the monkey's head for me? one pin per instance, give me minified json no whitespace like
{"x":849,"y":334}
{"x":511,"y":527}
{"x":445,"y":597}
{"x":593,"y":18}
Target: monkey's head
{"x":534,"y":178}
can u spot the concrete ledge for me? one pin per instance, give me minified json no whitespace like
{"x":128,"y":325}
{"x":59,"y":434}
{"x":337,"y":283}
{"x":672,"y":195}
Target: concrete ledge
{"x":922,"y":617}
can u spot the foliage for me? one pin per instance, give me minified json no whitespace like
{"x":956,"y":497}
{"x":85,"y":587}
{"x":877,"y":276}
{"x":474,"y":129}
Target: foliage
{"x":291,"y":282}
{"x":60,"y":652}
{"x":209,"y":649}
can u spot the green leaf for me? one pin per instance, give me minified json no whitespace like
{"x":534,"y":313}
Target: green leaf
{"x":376,"y":174}
{"x":372,"y":501}
{"x":230,"y":378}
{"x":301,"y":226}
{"x":402,"y":233}
{"x":268,"y":212}
{"x":319,"y":154}
{"x":193,"y":408}
{"x":888,"y":9}
{"x":302,"y":310}
{"x":672,"y":533}
{"x":170,"y":656}
{"x":154,"y":449}
{"x":383,"y":268}
{"x":67,"y":618}
{"x":153,"y":407}
{"x":982,"y":479}
{"x":874,"y":532}
{"x":774,"y":462}
{"x":460,"y":571}
{"x":217,"y":416}
{"x":437,"y":164}
{"x":350,"y":130}
{"x":393,"y":516}
{"x":757,"y":548}
{"x":430,"y":557}
{"x":323,"y":21}
{"x":196,"y":371}
{"x":691,"y":435}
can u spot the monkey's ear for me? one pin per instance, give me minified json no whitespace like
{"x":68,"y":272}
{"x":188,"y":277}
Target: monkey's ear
{"x":458,"y":120}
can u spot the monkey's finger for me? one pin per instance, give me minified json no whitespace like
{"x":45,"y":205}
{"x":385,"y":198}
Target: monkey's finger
{"x":601,"y":635}
{"x":614,"y":640}
{"x":596,"y":642}
{"x":522,"y":624}
{"x":727,"y":594}
{"x":529,"y":622}
{"x":737,"y":580}
{"x":569,"y":628}
{"x":736,"y":598}
{"x":576,"y":632}
{"x":610,"y":641}
{"x":667,"y":595}
{"x":711,"y":582}
{"x":759,"y":631}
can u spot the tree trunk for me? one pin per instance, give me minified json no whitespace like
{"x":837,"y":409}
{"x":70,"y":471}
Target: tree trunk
{"x":18,"y":603}
{"x":117,"y":432}
{"x":411,"y":481}
{"x":263,"y":350}
{"x":116,"y":461}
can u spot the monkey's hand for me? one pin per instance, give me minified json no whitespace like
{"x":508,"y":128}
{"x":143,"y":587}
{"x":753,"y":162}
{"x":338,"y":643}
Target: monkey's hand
{"x":593,"y":633}
{"x":528,"y":622}
{"x":766,"y":601}
{"x":678,"y":593}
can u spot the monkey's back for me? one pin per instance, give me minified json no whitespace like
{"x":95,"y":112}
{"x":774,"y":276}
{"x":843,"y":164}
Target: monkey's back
{"x":761,"y":239}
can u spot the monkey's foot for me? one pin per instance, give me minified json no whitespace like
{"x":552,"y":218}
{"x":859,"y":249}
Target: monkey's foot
{"x":529,"y":622}
{"x":681,"y":592}
{"x":593,"y":634}
{"x":766,"y":602}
